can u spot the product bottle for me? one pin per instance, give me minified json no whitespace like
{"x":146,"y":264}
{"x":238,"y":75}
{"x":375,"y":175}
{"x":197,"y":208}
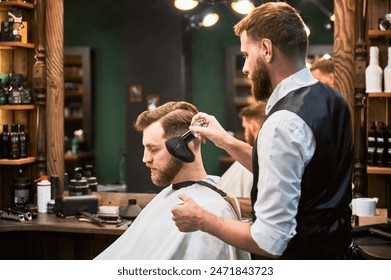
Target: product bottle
{"x":91,"y":179}
{"x":3,"y":94}
{"x":5,"y":142}
{"x":25,"y":93}
{"x":54,"y":183}
{"x":372,"y":135}
{"x":387,"y":73}
{"x":131,"y":210}
{"x":22,"y":141}
{"x":16,"y":94}
{"x":14,"y":143}
{"x":373,"y":73}
{"x":43,"y":194}
{"x":381,"y":149}
{"x":389,"y":145}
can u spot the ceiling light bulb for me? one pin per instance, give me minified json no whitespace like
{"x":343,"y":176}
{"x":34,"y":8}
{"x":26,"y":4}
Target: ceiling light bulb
{"x":332,"y":17}
{"x":210,"y":19}
{"x":185,"y":5}
{"x":242,"y":6}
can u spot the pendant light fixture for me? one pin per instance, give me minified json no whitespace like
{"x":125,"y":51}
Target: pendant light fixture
{"x":204,"y":17}
{"x":185,"y":5}
{"x":210,"y":19}
{"x":242,"y":7}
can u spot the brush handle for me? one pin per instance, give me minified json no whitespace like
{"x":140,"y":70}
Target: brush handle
{"x":189,"y":136}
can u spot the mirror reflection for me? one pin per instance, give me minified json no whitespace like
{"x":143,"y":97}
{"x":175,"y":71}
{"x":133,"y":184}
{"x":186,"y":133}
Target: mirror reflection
{"x":157,"y":49}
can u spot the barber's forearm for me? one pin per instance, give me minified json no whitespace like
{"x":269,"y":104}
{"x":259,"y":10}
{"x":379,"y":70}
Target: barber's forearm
{"x":235,"y":233}
{"x":239,"y":150}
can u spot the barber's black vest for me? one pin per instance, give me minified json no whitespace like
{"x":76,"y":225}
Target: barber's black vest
{"x":324,"y":216}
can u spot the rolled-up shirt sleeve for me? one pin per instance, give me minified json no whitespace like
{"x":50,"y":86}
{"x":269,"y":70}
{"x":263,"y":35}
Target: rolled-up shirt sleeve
{"x":285,"y":146}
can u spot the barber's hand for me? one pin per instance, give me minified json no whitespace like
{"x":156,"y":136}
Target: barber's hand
{"x":187,"y":215}
{"x":213,"y":130}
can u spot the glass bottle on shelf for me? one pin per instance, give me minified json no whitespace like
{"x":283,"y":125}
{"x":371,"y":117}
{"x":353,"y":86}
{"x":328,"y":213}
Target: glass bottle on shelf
{"x":381,"y":149}
{"x":15,"y":92}
{"x":387,"y":73}
{"x":5,"y":142}
{"x":25,"y":93}
{"x":371,"y":153}
{"x":14,"y":142}
{"x":22,"y":141}
{"x":3,"y":94}
{"x":373,"y":73}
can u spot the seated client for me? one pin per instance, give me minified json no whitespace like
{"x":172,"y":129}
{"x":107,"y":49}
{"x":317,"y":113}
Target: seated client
{"x":153,"y":235}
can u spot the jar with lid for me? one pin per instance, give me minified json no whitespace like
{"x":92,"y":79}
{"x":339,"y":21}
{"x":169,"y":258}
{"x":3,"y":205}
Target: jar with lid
{"x":78,"y":186}
{"x":130,"y":211}
{"x":21,"y":190}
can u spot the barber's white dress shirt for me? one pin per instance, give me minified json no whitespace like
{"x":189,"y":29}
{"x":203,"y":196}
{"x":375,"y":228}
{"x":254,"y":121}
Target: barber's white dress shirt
{"x":154,"y":235}
{"x":285,"y":146}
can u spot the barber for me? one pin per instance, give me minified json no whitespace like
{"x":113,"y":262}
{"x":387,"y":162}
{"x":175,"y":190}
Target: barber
{"x":302,"y":159}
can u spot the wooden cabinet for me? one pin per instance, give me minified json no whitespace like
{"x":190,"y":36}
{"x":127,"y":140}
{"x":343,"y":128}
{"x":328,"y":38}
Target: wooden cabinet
{"x":378,"y":104}
{"x":17,"y":57}
{"x":77,"y":106}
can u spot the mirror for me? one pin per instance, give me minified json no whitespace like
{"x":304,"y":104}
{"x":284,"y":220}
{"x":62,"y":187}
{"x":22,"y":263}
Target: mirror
{"x":146,"y":43}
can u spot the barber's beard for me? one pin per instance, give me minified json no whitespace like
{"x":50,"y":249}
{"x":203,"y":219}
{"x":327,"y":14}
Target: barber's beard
{"x":261,"y":87}
{"x":165,"y":176}
{"x":250,"y":138}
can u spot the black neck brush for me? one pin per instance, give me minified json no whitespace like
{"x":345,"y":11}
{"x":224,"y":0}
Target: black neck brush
{"x":178,"y":148}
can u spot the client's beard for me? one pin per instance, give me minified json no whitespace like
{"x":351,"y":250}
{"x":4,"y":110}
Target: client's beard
{"x":164,"y":177}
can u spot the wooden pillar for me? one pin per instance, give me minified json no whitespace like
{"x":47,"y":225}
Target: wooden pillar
{"x":55,"y":88}
{"x":360,"y":104}
{"x":350,"y":63}
{"x":39,"y":87}
{"x":344,"y":26}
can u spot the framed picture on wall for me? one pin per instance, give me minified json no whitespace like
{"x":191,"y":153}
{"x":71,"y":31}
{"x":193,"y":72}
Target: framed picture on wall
{"x":153,"y":101}
{"x":135,"y":93}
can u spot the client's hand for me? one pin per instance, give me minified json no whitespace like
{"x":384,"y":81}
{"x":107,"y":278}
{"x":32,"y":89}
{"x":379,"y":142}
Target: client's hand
{"x":187,"y":215}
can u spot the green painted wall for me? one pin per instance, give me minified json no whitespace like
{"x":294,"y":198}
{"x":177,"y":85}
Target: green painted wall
{"x":99,"y":25}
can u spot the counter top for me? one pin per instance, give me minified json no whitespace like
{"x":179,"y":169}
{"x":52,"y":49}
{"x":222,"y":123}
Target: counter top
{"x":52,"y":223}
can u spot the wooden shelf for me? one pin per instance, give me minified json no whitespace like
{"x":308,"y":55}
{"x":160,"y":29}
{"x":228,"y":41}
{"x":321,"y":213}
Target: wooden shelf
{"x":17,"y":107}
{"x":17,"y":161}
{"x":73,"y":119}
{"x":79,"y":156}
{"x":378,"y":170}
{"x":73,"y":93}
{"x":73,"y":60}
{"x":379,"y":33}
{"x":17,"y":3}
{"x":379,"y":94}
{"x":12,"y":45}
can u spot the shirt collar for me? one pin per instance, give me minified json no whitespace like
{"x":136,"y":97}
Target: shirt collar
{"x":295,"y":81}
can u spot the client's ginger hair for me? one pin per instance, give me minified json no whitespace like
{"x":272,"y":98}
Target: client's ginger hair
{"x":175,"y":118}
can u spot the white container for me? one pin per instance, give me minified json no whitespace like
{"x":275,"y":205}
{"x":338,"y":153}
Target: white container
{"x":43,"y":195}
{"x":364,"y":206}
{"x":387,"y":73}
{"x":373,"y":73}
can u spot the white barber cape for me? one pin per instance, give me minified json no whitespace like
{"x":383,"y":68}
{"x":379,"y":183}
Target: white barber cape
{"x":154,"y":235}
{"x":237,"y":180}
